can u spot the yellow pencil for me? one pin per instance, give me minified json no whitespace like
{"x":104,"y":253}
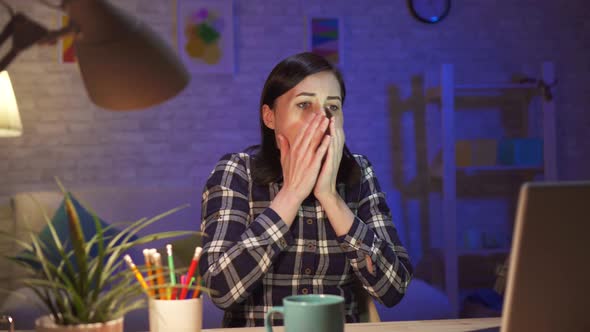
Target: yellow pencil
{"x":133,"y":268}
{"x":196,"y":291}
{"x":148,"y":265}
{"x":159,"y":275}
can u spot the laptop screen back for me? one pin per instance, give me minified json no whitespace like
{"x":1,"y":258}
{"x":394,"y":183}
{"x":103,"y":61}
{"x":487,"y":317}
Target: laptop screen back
{"x":549,"y":273}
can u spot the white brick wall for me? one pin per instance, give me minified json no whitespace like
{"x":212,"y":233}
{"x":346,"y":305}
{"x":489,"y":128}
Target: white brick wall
{"x":180,"y":140}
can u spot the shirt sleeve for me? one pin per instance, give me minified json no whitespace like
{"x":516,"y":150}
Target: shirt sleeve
{"x":373,"y":235}
{"x":237,"y":251}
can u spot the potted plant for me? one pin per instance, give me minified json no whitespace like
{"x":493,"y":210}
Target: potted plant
{"x":84,"y":292}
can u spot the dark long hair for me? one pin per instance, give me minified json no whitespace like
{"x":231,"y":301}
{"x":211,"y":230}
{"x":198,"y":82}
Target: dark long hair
{"x":266,"y":163}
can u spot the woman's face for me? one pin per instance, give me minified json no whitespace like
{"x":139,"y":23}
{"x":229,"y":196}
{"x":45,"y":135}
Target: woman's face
{"x":317,"y":93}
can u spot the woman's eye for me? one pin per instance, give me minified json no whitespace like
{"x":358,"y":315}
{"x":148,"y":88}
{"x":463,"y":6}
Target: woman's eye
{"x":304,"y":105}
{"x":333,"y":108}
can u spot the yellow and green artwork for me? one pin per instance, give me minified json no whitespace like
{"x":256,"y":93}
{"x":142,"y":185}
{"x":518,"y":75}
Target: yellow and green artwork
{"x":205,"y":31}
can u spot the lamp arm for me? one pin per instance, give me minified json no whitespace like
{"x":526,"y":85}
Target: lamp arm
{"x":8,"y":57}
{"x":50,"y":37}
{"x":53,"y":35}
{"x":7,"y":31}
{"x":25,"y":32}
{"x":8,"y":8}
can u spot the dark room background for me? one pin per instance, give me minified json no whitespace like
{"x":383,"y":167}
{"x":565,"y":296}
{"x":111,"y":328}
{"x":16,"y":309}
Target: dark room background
{"x":388,"y":60}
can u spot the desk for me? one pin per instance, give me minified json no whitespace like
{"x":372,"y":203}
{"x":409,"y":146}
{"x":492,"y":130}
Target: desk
{"x":447,"y":325}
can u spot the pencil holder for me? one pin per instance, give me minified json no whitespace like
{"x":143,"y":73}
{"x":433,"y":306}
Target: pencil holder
{"x":175,"y":315}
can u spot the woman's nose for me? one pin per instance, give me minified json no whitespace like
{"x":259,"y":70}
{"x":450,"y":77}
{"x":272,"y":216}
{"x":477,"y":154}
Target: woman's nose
{"x":323,"y":110}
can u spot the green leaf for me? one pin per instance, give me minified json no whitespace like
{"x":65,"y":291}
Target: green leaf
{"x":100,"y":258}
{"x":77,"y":242}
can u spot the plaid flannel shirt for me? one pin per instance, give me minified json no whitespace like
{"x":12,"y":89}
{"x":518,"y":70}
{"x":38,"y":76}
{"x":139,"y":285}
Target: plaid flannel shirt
{"x":252,"y":259}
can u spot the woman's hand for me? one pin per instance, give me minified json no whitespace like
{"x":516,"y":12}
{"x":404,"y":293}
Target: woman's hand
{"x":301,"y":161}
{"x":339,"y":214}
{"x":326,"y":183}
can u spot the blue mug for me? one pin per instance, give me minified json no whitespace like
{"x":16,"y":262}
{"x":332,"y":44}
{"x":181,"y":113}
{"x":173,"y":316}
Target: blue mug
{"x":313,"y":312}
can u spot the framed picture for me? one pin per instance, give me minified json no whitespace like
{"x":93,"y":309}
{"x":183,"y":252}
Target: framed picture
{"x":325,"y":38}
{"x":205,"y":35}
{"x":66,"y":52}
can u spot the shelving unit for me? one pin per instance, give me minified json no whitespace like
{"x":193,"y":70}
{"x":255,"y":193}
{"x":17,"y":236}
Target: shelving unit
{"x":483,"y":252}
{"x":444,"y":96}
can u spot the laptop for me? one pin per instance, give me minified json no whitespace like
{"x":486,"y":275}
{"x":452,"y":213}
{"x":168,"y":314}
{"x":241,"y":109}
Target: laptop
{"x":548,"y":286}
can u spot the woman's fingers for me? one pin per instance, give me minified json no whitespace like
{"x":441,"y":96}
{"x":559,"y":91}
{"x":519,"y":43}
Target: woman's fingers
{"x":321,"y":151}
{"x":337,"y":132}
{"x":283,"y":147}
{"x":328,"y":161}
{"x":314,"y":133}
{"x":303,"y":130}
{"x":339,"y":139}
{"x":320,"y":133}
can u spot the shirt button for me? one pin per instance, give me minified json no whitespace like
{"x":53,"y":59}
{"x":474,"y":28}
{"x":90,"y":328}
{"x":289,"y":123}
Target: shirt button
{"x":283,"y":243}
{"x":311,"y":247}
{"x":309,"y":221}
{"x":304,"y":291}
{"x":343,"y":246}
{"x":308,"y":271}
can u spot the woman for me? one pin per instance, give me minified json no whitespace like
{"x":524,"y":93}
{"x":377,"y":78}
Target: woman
{"x":298,"y":214}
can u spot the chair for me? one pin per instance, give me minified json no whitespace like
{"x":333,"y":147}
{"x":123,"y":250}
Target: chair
{"x":367,"y":310}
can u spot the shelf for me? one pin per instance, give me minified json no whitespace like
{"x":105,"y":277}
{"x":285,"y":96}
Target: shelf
{"x":471,"y":170}
{"x":496,"y":86}
{"x":436,"y":172}
{"x":483,"y":251}
{"x":468,"y":89}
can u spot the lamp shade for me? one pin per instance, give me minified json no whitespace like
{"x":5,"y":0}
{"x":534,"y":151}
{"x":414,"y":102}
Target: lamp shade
{"x":10,"y":124}
{"x":124,"y":64}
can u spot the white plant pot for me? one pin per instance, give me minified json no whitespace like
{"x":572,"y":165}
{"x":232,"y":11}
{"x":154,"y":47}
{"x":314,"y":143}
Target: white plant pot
{"x":46,"y":324}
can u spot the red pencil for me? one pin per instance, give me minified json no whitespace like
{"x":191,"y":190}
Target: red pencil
{"x":191,"y":271}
